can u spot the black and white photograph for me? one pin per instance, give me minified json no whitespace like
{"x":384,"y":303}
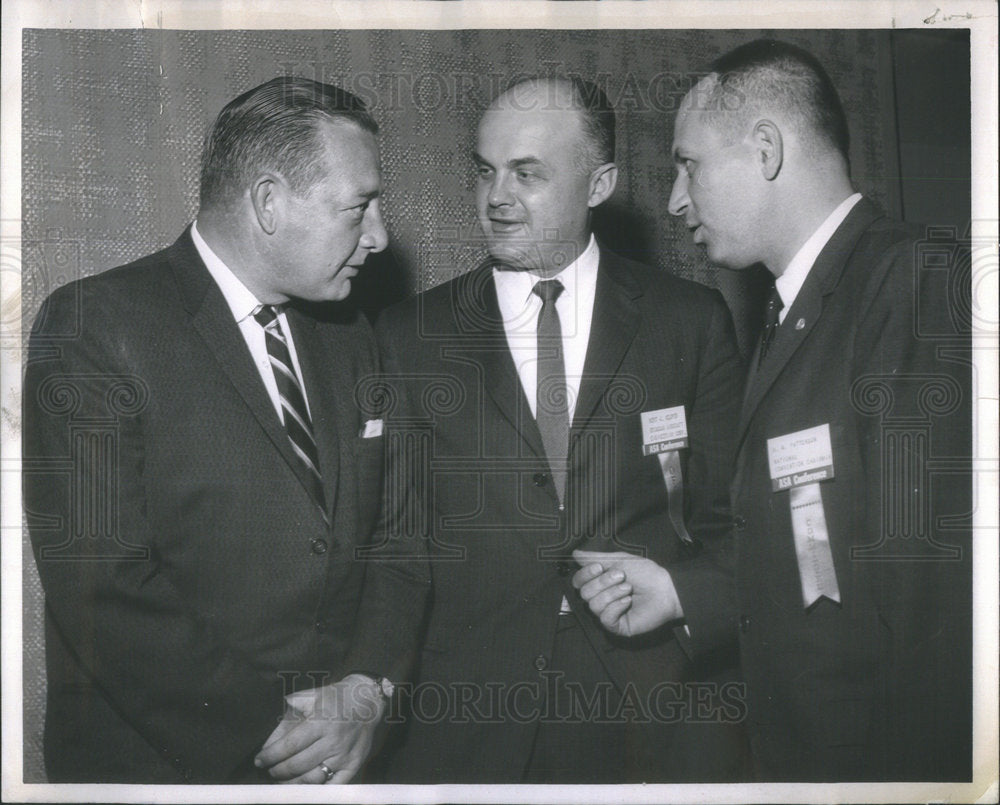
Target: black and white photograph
{"x":546,"y":401}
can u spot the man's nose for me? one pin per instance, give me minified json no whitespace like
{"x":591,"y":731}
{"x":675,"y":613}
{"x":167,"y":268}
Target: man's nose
{"x":679,"y":200}
{"x":499,"y":193}
{"x":374,"y":238}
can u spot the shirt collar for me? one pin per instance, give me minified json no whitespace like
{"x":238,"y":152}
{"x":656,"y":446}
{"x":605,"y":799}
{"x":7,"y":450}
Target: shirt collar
{"x":240,"y":299}
{"x":790,"y":282}
{"x":516,"y":286}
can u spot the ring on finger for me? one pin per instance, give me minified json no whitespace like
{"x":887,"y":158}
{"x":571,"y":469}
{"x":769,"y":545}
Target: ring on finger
{"x":327,"y":771}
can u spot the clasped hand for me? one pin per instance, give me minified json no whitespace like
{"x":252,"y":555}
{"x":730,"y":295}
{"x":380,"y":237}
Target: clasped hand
{"x":331,"y":726}
{"x":630,"y":595}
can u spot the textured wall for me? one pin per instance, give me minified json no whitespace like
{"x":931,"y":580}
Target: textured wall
{"x":113,"y":123}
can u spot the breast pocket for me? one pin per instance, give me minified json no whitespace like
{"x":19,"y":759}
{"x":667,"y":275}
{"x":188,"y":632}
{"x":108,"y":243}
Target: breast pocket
{"x":370,"y":468}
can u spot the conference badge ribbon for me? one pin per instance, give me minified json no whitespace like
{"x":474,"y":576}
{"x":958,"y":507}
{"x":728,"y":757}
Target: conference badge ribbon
{"x":799,"y":462}
{"x":664,"y":433}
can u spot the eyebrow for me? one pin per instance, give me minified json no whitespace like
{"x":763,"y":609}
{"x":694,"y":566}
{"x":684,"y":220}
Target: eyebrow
{"x":361,"y":197}
{"x":514,"y":163}
{"x":518,"y":163}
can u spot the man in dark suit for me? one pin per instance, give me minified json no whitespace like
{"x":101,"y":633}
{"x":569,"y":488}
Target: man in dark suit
{"x":197,"y":474}
{"x":851,"y":494}
{"x":519,"y":395}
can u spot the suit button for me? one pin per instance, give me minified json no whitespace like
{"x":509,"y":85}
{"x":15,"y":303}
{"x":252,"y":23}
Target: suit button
{"x":541,"y":663}
{"x":563,"y":569}
{"x":320,"y":626}
{"x":540,"y":479}
{"x":319,"y":547}
{"x":744,"y":623}
{"x":740,"y":523}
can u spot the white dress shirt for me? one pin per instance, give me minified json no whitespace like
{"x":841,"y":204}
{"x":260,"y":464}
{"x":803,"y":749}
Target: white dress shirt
{"x":790,"y":282}
{"x":243,"y":303}
{"x":519,"y":309}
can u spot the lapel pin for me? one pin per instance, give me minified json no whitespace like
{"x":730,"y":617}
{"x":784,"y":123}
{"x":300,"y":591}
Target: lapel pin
{"x":800,"y":324}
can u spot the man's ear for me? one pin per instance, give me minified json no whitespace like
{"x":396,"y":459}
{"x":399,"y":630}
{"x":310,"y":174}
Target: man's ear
{"x":265,"y":195}
{"x":602,"y":183}
{"x":767,"y":141}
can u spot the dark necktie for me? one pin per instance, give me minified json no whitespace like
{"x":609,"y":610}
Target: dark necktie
{"x":771,"y":311}
{"x":293,"y":405}
{"x":551,"y":405}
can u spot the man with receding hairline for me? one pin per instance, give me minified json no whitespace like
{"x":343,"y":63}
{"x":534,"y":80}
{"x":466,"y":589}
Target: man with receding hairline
{"x":852,"y":593}
{"x":554,"y":352}
{"x":207,"y":472}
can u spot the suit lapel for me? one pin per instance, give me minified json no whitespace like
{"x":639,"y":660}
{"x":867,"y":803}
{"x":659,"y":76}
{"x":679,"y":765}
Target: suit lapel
{"x":212,"y":318}
{"x":612,"y":330}
{"x":500,"y":379}
{"x":806,"y":309}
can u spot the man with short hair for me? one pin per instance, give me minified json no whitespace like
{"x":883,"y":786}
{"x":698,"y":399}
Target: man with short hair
{"x":197,"y":474}
{"x":852,"y":595}
{"x":520,"y":394}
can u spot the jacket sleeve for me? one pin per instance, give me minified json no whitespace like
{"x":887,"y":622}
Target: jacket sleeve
{"x":704,"y":582}
{"x":205,"y":709}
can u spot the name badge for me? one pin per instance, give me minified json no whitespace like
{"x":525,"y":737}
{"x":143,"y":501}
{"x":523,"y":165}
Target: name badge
{"x":800,"y":458}
{"x":798,"y":462}
{"x":664,"y":430}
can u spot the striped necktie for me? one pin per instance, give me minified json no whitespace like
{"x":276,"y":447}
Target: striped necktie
{"x":294,"y":412}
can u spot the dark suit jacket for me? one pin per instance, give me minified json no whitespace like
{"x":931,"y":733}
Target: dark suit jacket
{"x":189,"y":581}
{"x":878,"y":687}
{"x":488,"y":514}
